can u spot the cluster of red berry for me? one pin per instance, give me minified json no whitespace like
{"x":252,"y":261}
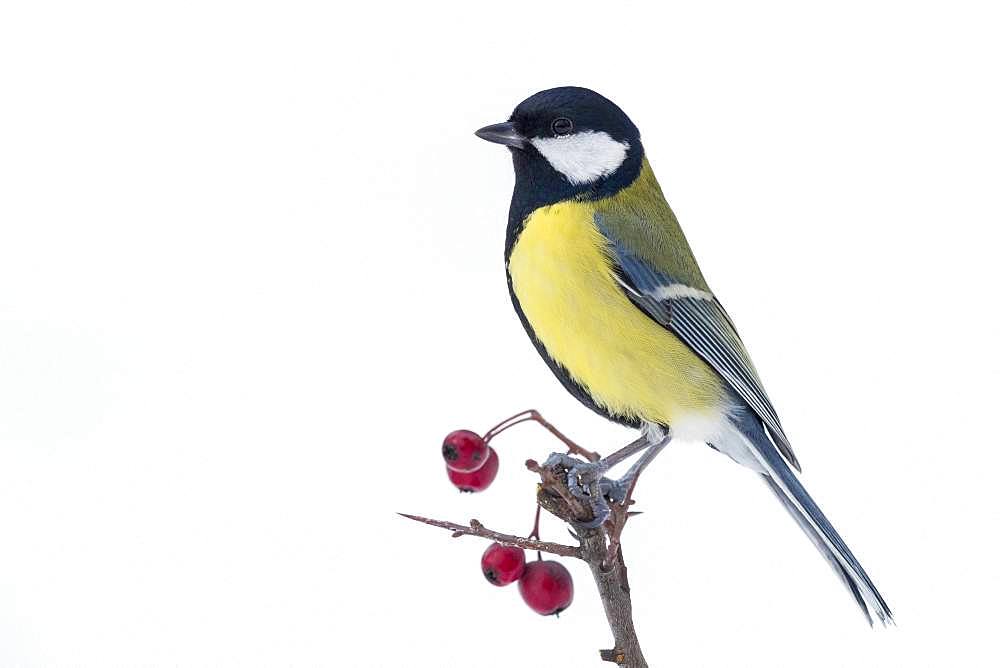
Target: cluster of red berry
{"x":545,"y":585}
{"x":472,"y":463}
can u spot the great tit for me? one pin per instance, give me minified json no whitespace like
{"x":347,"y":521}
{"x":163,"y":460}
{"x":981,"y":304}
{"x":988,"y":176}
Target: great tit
{"x":607,"y":288}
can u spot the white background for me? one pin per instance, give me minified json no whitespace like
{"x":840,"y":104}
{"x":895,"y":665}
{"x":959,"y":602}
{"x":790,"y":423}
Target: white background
{"x":251,"y":273}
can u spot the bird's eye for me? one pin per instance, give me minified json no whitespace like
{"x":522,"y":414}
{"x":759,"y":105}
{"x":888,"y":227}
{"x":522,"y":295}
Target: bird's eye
{"x":562,"y":126}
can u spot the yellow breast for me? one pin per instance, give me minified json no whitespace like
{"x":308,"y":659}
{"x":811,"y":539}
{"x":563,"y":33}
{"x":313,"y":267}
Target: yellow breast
{"x":629,"y":364}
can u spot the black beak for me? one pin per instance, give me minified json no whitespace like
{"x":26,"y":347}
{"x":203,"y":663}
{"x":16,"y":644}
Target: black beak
{"x":502,"y":133}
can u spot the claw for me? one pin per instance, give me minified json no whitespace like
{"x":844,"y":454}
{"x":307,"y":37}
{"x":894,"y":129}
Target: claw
{"x":564,"y":460}
{"x":615,"y":490}
{"x":585,"y":480}
{"x":601,"y":512}
{"x":573,"y":483}
{"x":587,"y":474}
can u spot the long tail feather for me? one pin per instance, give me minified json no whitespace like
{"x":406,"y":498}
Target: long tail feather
{"x":785,"y":484}
{"x":817,"y":540}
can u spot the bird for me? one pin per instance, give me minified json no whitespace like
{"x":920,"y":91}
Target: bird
{"x":607,"y":288}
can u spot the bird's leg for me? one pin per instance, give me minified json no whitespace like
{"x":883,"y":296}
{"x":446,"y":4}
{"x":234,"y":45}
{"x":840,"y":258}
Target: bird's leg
{"x":625,"y":486}
{"x":619,"y":488}
{"x":621,"y":455}
{"x":586,"y":480}
{"x":583,"y":474}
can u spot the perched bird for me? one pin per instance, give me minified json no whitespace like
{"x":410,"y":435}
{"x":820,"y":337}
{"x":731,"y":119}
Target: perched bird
{"x":608,"y":289}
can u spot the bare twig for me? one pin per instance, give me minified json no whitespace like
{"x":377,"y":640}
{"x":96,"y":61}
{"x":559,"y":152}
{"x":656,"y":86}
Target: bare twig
{"x":538,"y":517}
{"x":532,"y":415}
{"x":619,"y":516}
{"x":476,"y":528}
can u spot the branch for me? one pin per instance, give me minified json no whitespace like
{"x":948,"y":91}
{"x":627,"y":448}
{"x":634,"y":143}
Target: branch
{"x":616,"y":596}
{"x":619,"y":516}
{"x":476,"y":528}
{"x":600,"y":547}
{"x":607,"y":565}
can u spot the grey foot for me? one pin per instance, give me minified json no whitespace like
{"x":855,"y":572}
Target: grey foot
{"x":583,"y":477}
{"x":586,"y":481}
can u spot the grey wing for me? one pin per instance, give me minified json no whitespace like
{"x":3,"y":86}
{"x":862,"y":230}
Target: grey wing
{"x":704,"y":326}
{"x":698,"y":320}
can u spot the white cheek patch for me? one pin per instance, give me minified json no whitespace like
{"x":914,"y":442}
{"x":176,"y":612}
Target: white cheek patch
{"x":583,"y":157}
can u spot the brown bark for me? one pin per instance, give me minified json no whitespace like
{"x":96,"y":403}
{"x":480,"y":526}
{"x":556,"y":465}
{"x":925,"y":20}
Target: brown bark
{"x":607,"y":568}
{"x":612,"y":585}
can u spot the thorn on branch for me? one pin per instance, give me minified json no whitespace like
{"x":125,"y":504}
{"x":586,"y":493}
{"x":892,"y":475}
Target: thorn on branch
{"x":619,"y":514}
{"x":476,"y":528}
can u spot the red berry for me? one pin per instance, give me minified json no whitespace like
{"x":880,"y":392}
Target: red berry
{"x":546,"y":586}
{"x":464,"y":450}
{"x":481,"y":478}
{"x":502,"y":564}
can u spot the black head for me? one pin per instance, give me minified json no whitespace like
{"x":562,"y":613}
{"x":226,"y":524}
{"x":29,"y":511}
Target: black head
{"x":567,"y":143}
